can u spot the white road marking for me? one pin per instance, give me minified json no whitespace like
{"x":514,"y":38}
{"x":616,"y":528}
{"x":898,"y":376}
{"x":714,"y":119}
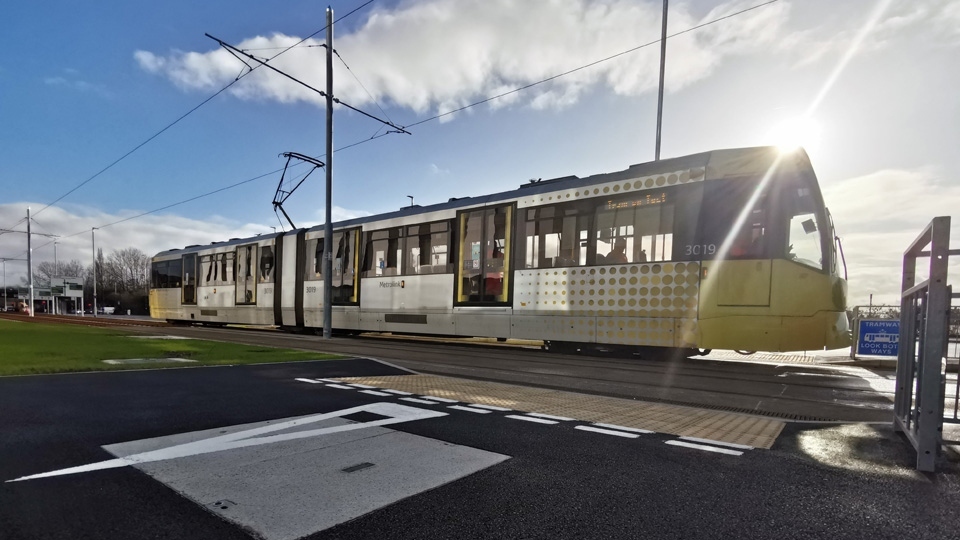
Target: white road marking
{"x":440,"y":399}
{"x":330,"y":380}
{"x":718,"y":443}
{"x":375,"y":393}
{"x":340,"y":386}
{"x":705,"y":447}
{"x":415,"y":400}
{"x":625,"y":428}
{"x":491,"y":407}
{"x":311,"y":381}
{"x":551,"y":417}
{"x":530,"y":419}
{"x":607,"y":431}
{"x":397,"y":392}
{"x":253,"y":437}
{"x":358,"y":385}
{"x":468,"y":409}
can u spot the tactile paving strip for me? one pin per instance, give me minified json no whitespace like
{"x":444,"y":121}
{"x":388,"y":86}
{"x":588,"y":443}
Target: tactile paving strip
{"x":683,"y":421}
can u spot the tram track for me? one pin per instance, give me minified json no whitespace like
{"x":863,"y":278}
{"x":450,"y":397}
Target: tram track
{"x":761,"y":389}
{"x":796,"y":392}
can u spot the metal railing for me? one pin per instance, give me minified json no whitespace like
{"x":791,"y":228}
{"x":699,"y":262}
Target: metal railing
{"x":924,"y":336}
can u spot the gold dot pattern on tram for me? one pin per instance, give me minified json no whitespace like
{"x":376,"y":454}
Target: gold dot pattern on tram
{"x":660,"y":312}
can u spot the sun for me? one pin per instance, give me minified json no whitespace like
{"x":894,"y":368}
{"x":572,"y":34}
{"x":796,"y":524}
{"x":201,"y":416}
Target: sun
{"x":799,"y":132}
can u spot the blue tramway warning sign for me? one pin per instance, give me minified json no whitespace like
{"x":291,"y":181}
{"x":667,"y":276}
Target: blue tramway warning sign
{"x":879,"y":337}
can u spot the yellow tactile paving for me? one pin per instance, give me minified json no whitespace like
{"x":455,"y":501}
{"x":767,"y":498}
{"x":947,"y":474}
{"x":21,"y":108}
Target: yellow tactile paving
{"x":684,"y":421}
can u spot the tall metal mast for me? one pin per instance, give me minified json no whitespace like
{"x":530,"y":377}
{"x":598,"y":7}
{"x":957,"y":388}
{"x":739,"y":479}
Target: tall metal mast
{"x":29,"y":262}
{"x":328,"y":226}
{"x":663,"y":63}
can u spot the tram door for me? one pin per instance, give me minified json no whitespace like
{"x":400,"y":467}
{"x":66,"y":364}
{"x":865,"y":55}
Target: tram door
{"x":483,"y":270}
{"x":189,"y":283}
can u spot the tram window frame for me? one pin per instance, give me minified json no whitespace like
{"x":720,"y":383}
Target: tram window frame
{"x":389,"y":242}
{"x":485,"y":277}
{"x":222,"y":263}
{"x":723,"y":202}
{"x":554,"y":236}
{"x":802,"y":214}
{"x":645,"y":222}
{"x":188,"y":296}
{"x":313,"y":261}
{"x":424,"y":237}
{"x":246,"y":289}
{"x":266,"y":264}
{"x":162,"y":274}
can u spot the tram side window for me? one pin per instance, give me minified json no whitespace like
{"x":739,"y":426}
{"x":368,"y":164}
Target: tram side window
{"x":246,"y":290}
{"x":344,"y":266}
{"x":382,"y":253}
{"x":427,"y":249}
{"x":266,"y":264}
{"x":803,"y":242}
{"x":554,"y":236}
{"x":168,"y":274}
{"x":314,"y":260}
{"x":217,"y":269}
{"x":725,"y":205}
{"x":635,"y":230}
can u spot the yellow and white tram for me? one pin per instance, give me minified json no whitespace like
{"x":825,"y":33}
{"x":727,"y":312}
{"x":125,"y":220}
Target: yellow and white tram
{"x":729,"y":249}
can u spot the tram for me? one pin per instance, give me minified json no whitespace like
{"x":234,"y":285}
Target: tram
{"x":728,"y":249}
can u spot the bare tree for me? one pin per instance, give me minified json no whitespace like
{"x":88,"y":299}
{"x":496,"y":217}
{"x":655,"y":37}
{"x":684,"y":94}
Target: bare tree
{"x":126,"y":270}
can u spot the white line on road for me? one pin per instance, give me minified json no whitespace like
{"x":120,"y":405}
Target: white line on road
{"x":551,"y":417}
{"x":330,"y":380}
{"x":625,"y":428}
{"x":440,"y":399}
{"x":358,"y":385}
{"x":607,"y":431}
{"x":375,"y":393}
{"x":468,"y":409}
{"x":491,"y":407}
{"x":397,"y":392}
{"x":530,"y":419}
{"x":705,"y":447}
{"x":422,"y":401}
{"x":340,"y":386}
{"x":311,"y":381}
{"x":718,"y":443}
{"x":392,"y":412}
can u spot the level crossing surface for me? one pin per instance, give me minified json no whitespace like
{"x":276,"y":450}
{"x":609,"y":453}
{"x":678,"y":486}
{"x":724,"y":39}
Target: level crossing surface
{"x":210,"y":444}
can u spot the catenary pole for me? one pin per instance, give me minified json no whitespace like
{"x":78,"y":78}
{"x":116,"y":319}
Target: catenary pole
{"x":663,"y":63}
{"x":93,"y":244}
{"x":328,"y":226}
{"x":56,"y":273}
{"x":29,"y":262}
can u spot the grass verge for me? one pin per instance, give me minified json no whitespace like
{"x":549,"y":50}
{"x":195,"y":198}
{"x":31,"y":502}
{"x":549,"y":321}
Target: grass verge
{"x":31,"y":348}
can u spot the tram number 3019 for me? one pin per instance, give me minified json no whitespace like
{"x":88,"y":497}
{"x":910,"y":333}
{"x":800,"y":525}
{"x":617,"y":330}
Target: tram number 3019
{"x":701,"y":249}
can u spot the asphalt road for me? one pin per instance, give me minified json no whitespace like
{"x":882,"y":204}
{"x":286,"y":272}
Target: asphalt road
{"x":818,"y":481}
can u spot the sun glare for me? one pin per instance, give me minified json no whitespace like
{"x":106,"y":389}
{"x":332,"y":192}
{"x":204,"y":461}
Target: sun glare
{"x":795,"y":133}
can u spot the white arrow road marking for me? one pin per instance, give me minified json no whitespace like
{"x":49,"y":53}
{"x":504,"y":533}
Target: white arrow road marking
{"x":253,"y":437}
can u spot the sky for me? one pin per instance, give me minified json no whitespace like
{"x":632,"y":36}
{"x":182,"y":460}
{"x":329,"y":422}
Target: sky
{"x":87,"y":90}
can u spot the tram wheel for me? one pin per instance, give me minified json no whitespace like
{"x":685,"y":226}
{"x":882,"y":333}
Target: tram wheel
{"x":745,"y":353}
{"x":704,"y":352}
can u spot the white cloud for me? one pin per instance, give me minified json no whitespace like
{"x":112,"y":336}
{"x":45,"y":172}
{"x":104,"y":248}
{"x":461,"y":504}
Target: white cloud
{"x":77,"y":84}
{"x":877,"y":216}
{"x":438,"y":55}
{"x":437,"y":171}
{"x":939,"y":21}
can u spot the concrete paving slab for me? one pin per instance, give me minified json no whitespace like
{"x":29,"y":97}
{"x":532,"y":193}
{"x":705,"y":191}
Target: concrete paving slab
{"x":294,"y":487}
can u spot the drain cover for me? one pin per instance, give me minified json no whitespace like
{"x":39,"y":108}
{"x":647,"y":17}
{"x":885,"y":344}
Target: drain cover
{"x":357,"y":467}
{"x":223,"y":504}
